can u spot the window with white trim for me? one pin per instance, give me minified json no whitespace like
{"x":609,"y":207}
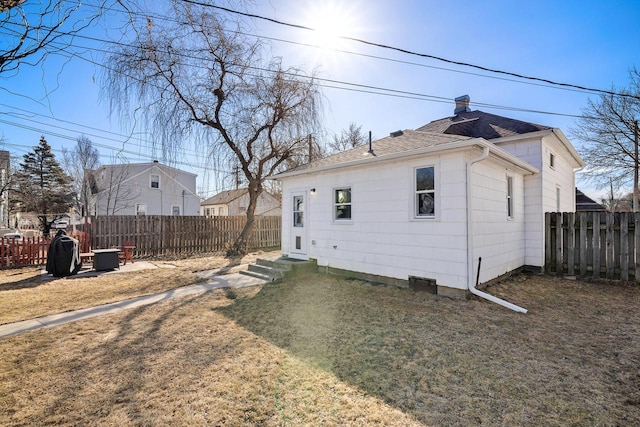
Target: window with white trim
{"x":425,"y":192}
{"x":509,"y":197}
{"x":154,"y":181}
{"x":558,"y":199}
{"x":552,"y":161}
{"x":342,"y":204}
{"x":141,"y":209}
{"x":175,"y":210}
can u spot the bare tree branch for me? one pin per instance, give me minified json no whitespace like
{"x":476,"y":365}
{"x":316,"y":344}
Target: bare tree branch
{"x":195,"y":80}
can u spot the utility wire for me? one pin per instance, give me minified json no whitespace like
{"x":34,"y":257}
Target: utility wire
{"x":422,"y":55}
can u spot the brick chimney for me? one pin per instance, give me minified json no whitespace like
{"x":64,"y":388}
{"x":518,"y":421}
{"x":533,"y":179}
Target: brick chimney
{"x":462,"y":104}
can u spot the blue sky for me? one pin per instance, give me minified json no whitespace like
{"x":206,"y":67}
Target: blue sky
{"x":587,"y":43}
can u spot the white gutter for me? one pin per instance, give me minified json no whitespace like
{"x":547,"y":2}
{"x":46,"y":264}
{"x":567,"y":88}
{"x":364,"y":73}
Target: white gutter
{"x":470,"y":284}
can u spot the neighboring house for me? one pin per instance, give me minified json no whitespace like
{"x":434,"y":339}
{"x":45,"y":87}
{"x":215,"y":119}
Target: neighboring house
{"x":235,"y":202}
{"x":428,"y":203}
{"x":144,"y":189}
{"x":586,"y":203}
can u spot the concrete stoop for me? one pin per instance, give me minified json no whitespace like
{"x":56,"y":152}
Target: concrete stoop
{"x":272,"y":270}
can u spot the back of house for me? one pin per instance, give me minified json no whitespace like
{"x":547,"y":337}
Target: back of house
{"x":428,"y":203}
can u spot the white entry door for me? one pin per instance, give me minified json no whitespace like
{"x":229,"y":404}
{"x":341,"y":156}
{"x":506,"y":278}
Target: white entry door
{"x":298,"y":246}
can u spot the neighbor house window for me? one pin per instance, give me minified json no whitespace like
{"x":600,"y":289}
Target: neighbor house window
{"x":154,"y":181}
{"x":220,"y":211}
{"x":425,"y":193}
{"x":509,"y":197}
{"x":557,"y":199}
{"x":552,"y":161}
{"x":175,"y":210}
{"x":342,"y":204}
{"x":141,"y":209}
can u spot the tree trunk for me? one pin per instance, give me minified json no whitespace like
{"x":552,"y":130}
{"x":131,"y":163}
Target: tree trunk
{"x":241,"y":245}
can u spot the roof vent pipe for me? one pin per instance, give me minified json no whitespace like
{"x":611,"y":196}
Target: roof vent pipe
{"x":370,"y":147}
{"x":462,"y":104}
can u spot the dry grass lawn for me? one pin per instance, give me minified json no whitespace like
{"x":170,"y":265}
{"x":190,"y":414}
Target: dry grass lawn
{"x":318,"y":350}
{"x":25,"y":293}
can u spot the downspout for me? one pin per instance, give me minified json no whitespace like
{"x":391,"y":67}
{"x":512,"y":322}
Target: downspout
{"x":470,"y":283}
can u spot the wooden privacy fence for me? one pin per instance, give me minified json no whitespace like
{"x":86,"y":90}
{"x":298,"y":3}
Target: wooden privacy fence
{"x":595,"y":244}
{"x":156,"y":235}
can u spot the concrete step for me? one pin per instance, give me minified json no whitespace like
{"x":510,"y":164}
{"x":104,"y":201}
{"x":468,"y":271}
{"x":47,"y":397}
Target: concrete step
{"x":273,"y":264}
{"x":275,"y":272}
{"x":264,"y":277}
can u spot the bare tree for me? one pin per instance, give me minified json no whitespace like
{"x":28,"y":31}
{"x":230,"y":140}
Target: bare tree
{"x":348,"y":138}
{"x":78,"y":163}
{"x":607,"y":134}
{"x":196,"y":80}
{"x":110,"y":193}
{"x":28,"y":32}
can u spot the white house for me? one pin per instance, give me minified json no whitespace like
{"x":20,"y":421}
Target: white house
{"x":429,"y":203}
{"x":144,"y":189}
{"x":235,"y":202}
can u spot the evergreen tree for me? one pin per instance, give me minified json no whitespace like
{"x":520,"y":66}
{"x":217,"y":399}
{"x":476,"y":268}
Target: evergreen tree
{"x":42,"y":187}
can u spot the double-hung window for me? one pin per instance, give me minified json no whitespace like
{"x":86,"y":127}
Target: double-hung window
{"x":425,"y":192}
{"x":342,"y":204}
{"x":154,"y":181}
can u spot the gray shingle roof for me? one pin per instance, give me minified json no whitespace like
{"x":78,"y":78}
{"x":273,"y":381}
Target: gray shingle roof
{"x":224,"y":197}
{"x":478,"y":124}
{"x":408,"y":141}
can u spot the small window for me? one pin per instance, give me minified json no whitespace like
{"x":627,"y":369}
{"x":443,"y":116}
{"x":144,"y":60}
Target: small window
{"x":141,"y":209}
{"x":298,"y":211}
{"x":509,"y":197}
{"x":425,"y":193}
{"x":342,"y":203}
{"x":220,"y":210}
{"x":175,"y":210}
{"x":552,"y":161}
{"x":557,"y":199}
{"x":154,"y":181}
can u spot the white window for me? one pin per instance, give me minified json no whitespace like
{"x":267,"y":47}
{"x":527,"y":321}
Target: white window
{"x":220,"y":211}
{"x":154,"y":181}
{"x":342,"y":204}
{"x":509,"y":197}
{"x":141,"y":209}
{"x":558,"y":199}
{"x":175,"y":210}
{"x":425,"y":192}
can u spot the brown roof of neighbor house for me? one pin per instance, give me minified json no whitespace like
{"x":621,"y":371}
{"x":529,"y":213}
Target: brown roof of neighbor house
{"x":225,"y":197}
{"x":478,"y":124}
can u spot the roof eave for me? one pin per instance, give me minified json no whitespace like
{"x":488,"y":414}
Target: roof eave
{"x":452,"y":146}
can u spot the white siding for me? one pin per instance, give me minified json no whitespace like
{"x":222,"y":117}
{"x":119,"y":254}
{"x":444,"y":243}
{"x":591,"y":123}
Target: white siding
{"x":498,"y":239}
{"x":385,"y":239}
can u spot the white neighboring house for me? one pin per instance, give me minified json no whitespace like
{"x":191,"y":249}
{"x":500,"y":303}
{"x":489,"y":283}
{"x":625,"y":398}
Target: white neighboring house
{"x":144,"y":189}
{"x":235,"y":202}
{"x":428,"y":203}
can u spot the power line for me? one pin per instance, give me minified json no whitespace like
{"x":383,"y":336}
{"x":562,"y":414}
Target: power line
{"x":422,"y":55}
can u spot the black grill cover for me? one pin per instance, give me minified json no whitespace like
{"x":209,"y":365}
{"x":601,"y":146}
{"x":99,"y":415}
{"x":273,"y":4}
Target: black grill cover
{"x":63,"y":258}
